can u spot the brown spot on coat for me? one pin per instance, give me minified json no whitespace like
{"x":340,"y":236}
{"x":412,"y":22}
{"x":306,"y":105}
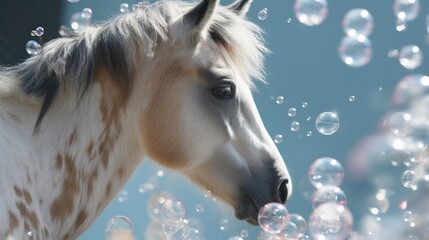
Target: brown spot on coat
{"x":80,"y":219}
{"x":72,"y":137}
{"x":27,"y":197}
{"x":59,"y":162}
{"x":13,"y":222}
{"x":18,"y":191}
{"x":27,"y":215}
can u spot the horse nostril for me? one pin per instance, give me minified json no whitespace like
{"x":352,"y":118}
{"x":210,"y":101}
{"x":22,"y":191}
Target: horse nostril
{"x":283,"y":191}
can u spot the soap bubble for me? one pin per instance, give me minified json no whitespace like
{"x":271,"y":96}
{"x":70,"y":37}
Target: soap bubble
{"x":124,"y":8}
{"x":352,"y":98}
{"x":33,"y":48}
{"x":38,"y":32}
{"x":295,"y":228}
{"x":244,"y":233}
{"x":309,"y":133}
{"x":411,"y":218}
{"x":291,"y":112}
{"x":326,"y":171}
{"x":278,"y":138}
{"x":409,"y":179}
{"x":268,"y":236}
{"x":410,"y":57}
{"x":295,"y":126}
{"x":155,"y":203}
{"x":236,"y":238}
{"x":263,"y":14}
{"x":119,"y":227}
{"x":355,"y":51}
{"x":199,"y":208}
{"x":73,"y":1}
{"x":331,"y":221}
{"x":357,"y":22}
{"x":304,"y":104}
{"x":224,"y":224}
{"x":400,"y":123}
{"x":172,"y":210}
{"x":410,"y":88}
{"x":327,"y":123}
{"x":122,"y":196}
{"x":311,"y":12}
{"x":280,"y":100}
{"x":272,"y":217}
{"x":401,"y":25}
{"x":379,"y":203}
{"x":87,"y":13}
{"x":78,"y":22}
{"x":406,"y":10}
{"x":328,"y":193}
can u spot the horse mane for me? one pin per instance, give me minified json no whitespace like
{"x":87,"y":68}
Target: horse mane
{"x":75,"y":59}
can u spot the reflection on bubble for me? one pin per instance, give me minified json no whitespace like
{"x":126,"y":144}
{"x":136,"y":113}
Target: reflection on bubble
{"x":400,"y":123}
{"x":357,"y":22}
{"x":124,"y":8}
{"x":331,"y":221}
{"x":33,"y":48}
{"x":295,"y":228}
{"x":244,"y":233}
{"x":280,"y":99}
{"x":87,"y":13}
{"x":327,"y":123}
{"x":295,"y":126}
{"x":311,"y":12}
{"x":119,"y":227}
{"x":79,"y":22}
{"x":355,"y":51}
{"x":406,"y":10}
{"x":326,"y":171}
{"x":278,"y":138}
{"x":263,"y":14}
{"x":352,"y":98}
{"x":328,"y":193}
{"x":304,"y":104}
{"x":272,"y":217}
{"x":291,"y":112}
{"x":410,"y":56}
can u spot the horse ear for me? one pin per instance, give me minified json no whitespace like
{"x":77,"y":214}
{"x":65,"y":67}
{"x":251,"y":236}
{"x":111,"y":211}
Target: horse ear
{"x":240,"y":7}
{"x":199,"y":17}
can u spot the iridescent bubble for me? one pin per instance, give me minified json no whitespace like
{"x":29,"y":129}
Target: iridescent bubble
{"x":357,"y":22}
{"x":78,"y":22}
{"x":295,"y":228}
{"x":331,"y":221}
{"x":311,"y":12}
{"x":124,"y":8}
{"x":400,"y":123}
{"x":278,"y":138}
{"x":244,"y":233}
{"x":410,"y":57}
{"x":352,"y":98}
{"x":280,"y":99}
{"x":409,"y":179}
{"x":224,"y":224}
{"x":87,"y":13}
{"x":33,"y":48}
{"x":291,"y":112}
{"x":295,"y":126}
{"x":406,"y":10}
{"x":263,"y":14}
{"x":39,"y":31}
{"x":119,"y":227}
{"x":328,"y":193}
{"x":326,"y":171}
{"x":172,"y":210}
{"x":272,"y":217}
{"x":355,"y":51}
{"x":327,"y":123}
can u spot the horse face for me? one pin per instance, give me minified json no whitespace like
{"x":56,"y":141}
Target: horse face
{"x":203,"y":122}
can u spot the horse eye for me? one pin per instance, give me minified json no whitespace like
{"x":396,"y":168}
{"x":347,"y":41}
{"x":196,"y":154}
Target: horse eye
{"x":224,"y":91}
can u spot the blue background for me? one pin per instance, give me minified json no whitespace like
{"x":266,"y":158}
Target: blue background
{"x":304,"y":67}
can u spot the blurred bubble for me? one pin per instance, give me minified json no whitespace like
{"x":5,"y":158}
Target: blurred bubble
{"x":308,"y":119}
{"x":280,"y":99}
{"x":146,"y":187}
{"x":33,"y":48}
{"x":295,"y":126}
{"x":352,"y":98}
{"x":155,"y":203}
{"x":295,"y":228}
{"x":406,"y":10}
{"x":244,"y":233}
{"x":326,"y":171}
{"x":357,"y":22}
{"x":401,"y":25}
{"x":331,"y":221}
{"x":172,"y":210}
{"x":355,"y":51}
{"x":122,"y":196}
{"x":311,"y":12}
{"x":379,"y":203}
{"x":412,"y":219}
{"x":278,"y":138}
{"x":304,"y":104}
{"x":160,"y":173}
{"x":309,"y":133}
{"x":272,"y":217}
{"x":124,"y":8}
{"x":328,"y":193}
{"x":236,"y":238}
{"x":411,"y":87}
{"x":73,"y":1}
{"x":87,"y":13}
{"x":224,"y":224}
{"x":78,"y":22}
{"x":263,"y":14}
{"x":291,"y":112}
{"x":393,"y":53}
{"x":400,"y":123}
{"x":409,"y":179}
{"x":119,"y":227}
{"x":403,"y":205}
{"x":327,"y":123}
{"x":410,"y":56}
{"x":268,"y":236}
{"x":199,"y":208}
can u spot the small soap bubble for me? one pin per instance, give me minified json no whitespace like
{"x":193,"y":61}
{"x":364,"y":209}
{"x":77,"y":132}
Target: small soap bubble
{"x":295,"y":228}
{"x":311,"y":12}
{"x":263,"y":14}
{"x":295,"y":126}
{"x":224,"y":224}
{"x":122,"y":196}
{"x":146,"y":187}
{"x":33,"y":48}
{"x":119,"y":227}
{"x":328,"y":193}
{"x":406,"y":10}
{"x":355,"y":51}
{"x":357,"y":22}
{"x":87,"y":13}
{"x":400,"y":123}
{"x":160,"y":173}
{"x":393,"y":53}
{"x":291,"y":112}
{"x":280,"y":99}
{"x":379,"y":203}
{"x":327,"y":123}
{"x":78,"y":22}
{"x":172,"y":210}
{"x":352,"y":98}
{"x":272,"y":217}
{"x":304,"y":104}
{"x":331,"y":221}
{"x":199,"y":208}
{"x":278,"y":138}
{"x":326,"y":171}
{"x":401,"y":25}
{"x":289,"y":20}
{"x":38,"y":32}
{"x":410,"y":57}
{"x":309,"y":133}
{"x":124,"y":8}
{"x":308,"y":119}
{"x":33,"y":33}
{"x":409,"y":179}
{"x":244,"y":233}
{"x":412,"y":219}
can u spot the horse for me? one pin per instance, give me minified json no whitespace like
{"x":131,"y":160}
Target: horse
{"x":170,"y":80}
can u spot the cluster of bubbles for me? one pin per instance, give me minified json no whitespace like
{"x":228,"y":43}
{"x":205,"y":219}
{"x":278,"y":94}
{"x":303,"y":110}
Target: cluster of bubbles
{"x":119,"y":227}
{"x":33,"y":47}
{"x":405,"y":11}
{"x":81,"y":20}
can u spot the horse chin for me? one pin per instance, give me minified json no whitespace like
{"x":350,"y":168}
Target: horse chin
{"x":246,"y":209}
